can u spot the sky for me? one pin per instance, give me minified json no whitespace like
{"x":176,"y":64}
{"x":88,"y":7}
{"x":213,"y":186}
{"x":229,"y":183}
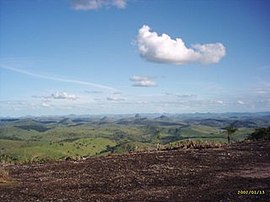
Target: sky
{"x":134,"y":56}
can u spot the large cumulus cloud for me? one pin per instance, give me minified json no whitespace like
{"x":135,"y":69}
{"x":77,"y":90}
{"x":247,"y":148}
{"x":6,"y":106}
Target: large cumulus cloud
{"x":163,"y":49}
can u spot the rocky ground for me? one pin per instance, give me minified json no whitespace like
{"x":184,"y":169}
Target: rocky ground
{"x":240,"y":172}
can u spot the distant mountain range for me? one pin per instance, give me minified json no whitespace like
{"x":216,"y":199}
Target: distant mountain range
{"x":249,"y":120}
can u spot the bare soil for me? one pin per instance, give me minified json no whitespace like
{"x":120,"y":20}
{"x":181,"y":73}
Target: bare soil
{"x":217,"y":174}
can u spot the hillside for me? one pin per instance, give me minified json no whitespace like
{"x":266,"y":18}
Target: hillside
{"x":40,"y":139}
{"x":220,"y":174}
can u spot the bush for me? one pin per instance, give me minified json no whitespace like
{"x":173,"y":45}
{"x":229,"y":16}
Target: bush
{"x":260,"y":134}
{"x":120,"y":148}
{"x":197,"y":144}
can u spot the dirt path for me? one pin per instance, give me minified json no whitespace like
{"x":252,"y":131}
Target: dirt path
{"x":237,"y":173}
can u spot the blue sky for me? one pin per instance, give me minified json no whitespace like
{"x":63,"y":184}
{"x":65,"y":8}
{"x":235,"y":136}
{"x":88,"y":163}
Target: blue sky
{"x":134,"y":56}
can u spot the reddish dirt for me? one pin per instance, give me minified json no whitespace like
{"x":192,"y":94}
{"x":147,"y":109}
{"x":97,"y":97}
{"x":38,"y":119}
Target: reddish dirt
{"x":174,"y":175}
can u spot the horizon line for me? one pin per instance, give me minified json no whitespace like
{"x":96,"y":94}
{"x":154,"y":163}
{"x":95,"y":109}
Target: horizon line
{"x":140,"y":113}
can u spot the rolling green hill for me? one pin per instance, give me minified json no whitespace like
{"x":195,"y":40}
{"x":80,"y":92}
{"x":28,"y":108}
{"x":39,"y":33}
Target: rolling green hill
{"x":54,"y":138}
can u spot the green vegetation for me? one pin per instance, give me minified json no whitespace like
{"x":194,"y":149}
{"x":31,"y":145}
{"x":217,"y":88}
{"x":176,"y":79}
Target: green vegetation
{"x":24,"y":152}
{"x":194,"y":144}
{"x":60,"y":138}
{"x":260,"y":134}
{"x":231,"y":129}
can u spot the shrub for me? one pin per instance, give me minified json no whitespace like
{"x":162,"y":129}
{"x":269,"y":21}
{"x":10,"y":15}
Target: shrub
{"x":260,"y":133}
{"x":197,"y":144}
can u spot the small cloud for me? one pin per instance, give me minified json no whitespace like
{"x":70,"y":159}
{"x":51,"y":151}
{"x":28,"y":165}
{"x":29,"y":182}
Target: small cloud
{"x":93,"y":91}
{"x":45,"y":104}
{"x":220,"y":102}
{"x":97,"y":4}
{"x":63,"y":95}
{"x":186,"y":96}
{"x":119,"y":3}
{"x":37,"y":96}
{"x":115,"y":99}
{"x":164,"y":49}
{"x":240,"y":102}
{"x":167,"y":93}
{"x":142,"y":81}
{"x":117,"y":93}
{"x":261,"y":91}
{"x":142,"y":102}
{"x":182,"y":96}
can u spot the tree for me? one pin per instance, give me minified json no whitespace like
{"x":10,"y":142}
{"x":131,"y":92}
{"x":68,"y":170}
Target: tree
{"x":230,"y":129}
{"x":260,"y":133}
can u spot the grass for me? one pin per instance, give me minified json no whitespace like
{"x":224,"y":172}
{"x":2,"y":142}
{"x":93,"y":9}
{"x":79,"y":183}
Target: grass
{"x":45,"y":151}
{"x":26,"y":141}
{"x":241,"y":134}
{"x":198,"y":131}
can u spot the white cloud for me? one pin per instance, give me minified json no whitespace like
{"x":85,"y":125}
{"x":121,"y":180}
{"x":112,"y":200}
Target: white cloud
{"x":186,"y":95}
{"x":63,"y":95}
{"x":142,"y":102}
{"x":120,"y":3}
{"x":117,"y":93}
{"x":93,"y":91}
{"x":240,"y":102}
{"x":115,"y":99}
{"x":142,"y":81}
{"x":45,"y":104}
{"x":220,"y":102}
{"x":57,"y":95}
{"x":52,"y":78}
{"x":181,"y":96}
{"x":163,"y":49}
{"x":261,"y":91}
{"x":96,"y":4}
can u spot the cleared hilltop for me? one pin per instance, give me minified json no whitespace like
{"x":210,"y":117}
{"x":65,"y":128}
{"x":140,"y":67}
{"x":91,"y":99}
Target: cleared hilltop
{"x":214,"y":174}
